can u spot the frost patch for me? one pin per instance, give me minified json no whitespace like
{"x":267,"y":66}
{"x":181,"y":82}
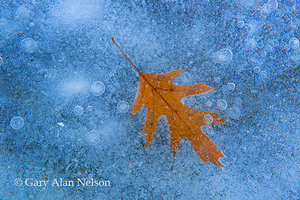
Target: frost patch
{"x":77,"y":11}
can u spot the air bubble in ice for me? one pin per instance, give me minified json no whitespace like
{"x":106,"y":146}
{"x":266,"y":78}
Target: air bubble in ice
{"x":89,"y":108}
{"x":270,"y":6}
{"x":17,"y":123}
{"x":256,"y":69}
{"x":186,"y":77}
{"x":208,"y":119}
{"x":208,"y":129}
{"x":97,"y":88}
{"x":230,"y":86}
{"x":1,"y":61}
{"x":92,"y":137}
{"x":222,"y":104}
{"x":224,"y":56}
{"x":208,"y":103}
{"x":240,"y":24}
{"x":29,"y":45}
{"x":251,"y":43}
{"x":123,"y":107}
{"x":294,"y":43}
{"x":78,"y":110}
{"x":263,"y":74}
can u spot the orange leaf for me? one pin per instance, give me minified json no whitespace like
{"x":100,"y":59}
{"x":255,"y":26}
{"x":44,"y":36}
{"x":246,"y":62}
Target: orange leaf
{"x":161,"y":97}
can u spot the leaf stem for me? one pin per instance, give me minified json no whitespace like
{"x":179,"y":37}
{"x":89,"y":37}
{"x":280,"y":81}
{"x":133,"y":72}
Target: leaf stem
{"x":113,"y":39}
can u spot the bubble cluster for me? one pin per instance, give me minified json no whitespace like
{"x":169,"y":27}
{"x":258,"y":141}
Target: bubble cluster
{"x":230,"y":86}
{"x":92,"y":137}
{"x":208,"y":119}
{"x":17,"y":123}
{"x":294,"y":43}
{"x":97,"y":88}
{"x":29,"y":45}
{"x":224,"y":56}
{"x":123,"y":106}
{"x":78,"y":110}
{"x":222,"y":104}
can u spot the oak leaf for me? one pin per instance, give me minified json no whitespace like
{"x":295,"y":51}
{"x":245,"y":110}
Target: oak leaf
{"x":161,"y":97}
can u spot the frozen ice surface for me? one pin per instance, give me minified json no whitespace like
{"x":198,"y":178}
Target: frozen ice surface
{"x":54,"y":53}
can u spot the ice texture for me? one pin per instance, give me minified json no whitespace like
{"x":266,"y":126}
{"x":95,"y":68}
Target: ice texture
{"x":66,"y":92}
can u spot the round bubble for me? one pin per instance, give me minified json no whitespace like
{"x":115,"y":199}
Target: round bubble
{"x":269,"y":48}
{"x":208,"y":103}
{"x":224,"y":56}
{"x":89,"y":108}
{"x":225,"y":90}
{"x":251,"y":43}
{"x":222,"y":104}
{"x":263,"y":74}
{"x":263,"y":54}
{"x":29,"y":45}
{"x":17,"y":123}
{"x":186,"y":77}
{"x":78,"y":110}
{"x":123,"y":106}
{"x":294,"y":43}
{"x":93,"y":137}
{"x":97,"y":88}
{"x":240,"y":24}
{"x":208,"y":129}
{"x":270,"y":6}
{"x":230,"y":86}
{"x":256,"y":69}
{"x":208,"y":119}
